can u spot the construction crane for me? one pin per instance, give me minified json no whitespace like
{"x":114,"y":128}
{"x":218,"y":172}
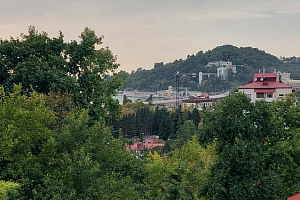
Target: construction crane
{"x":177,"y":75}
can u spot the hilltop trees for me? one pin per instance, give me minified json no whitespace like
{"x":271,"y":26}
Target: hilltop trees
{"x":249,"y":59}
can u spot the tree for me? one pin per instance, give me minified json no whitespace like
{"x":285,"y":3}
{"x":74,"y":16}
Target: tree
{"x":284,"y":143}
{"x":196,"y":117}
{"x":165,"y":126}
{"x":125,"y":99}
{"x":51,"y":65}
{"x":24,"y":131}
{"x":8,"y":189}
{"x":247,"y":135}
{"x":183,"y":175}
{"x":90,"y":164}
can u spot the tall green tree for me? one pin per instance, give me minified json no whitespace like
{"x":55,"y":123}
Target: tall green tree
{"x":24,"y":131}
{"x":181,"y":176}
{"x":196,"y":117}
{"x":91,"y":67}
{"x":247,"y":136}
{"x":90,"y":164}
{"x":51,"y":65}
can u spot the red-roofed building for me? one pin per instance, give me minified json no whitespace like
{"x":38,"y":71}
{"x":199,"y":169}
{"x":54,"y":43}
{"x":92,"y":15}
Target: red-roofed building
{"x":265,"y":87}
{"x":138,"y":146}
{"x":295,"y":197}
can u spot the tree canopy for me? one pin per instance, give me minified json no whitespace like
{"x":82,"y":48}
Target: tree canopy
{"x":253,"y":140}
{"x":81,"y":68}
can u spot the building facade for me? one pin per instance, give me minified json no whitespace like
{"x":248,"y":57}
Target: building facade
{"x":265,"y":86}
{"x":200,"y":102}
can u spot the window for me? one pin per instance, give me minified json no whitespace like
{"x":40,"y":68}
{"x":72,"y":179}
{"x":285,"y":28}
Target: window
{"x":260,"y":95}
{"x":269,"y":95}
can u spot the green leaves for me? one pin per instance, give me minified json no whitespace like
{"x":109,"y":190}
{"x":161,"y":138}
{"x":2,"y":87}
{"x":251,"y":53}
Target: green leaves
{"x":7,"y":189}
{"x":183,"y":175}
{"x":51,"y":65}
{"x":256,"y":144}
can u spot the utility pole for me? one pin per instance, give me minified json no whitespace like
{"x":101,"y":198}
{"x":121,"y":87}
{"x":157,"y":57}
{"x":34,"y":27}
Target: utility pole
{"x":177,"y":75}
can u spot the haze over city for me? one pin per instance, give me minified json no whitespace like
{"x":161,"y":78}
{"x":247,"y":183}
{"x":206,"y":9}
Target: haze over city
{"x":141,"y":33}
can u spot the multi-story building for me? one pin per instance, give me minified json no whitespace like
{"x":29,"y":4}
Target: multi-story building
{"x":265,"y":87}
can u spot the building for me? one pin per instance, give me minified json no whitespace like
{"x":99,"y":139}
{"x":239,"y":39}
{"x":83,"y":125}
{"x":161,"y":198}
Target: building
{"x":200,"y":102}
{"x":219,"y":64}
{"x":138,"y":146}
{"x":148,"y":143}
{"x":265,"y":86}
{"x":222,"y":69}
{"x":286,"y":79}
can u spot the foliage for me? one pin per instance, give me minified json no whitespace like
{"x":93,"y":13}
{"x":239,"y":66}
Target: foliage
{"x":51,"y":65}
{"x":249,"y":61}
{"x":250,"y":138}
{"x":78,"y":160}
{"x":89,"y":163}
{"x":181,"y":176}
{"x":7,"y":189}
{"x":137,"y":118}
{"x":24,"y":131}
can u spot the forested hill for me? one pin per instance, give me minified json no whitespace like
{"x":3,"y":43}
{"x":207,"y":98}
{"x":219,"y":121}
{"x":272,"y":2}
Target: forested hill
{"x":251,"y":59}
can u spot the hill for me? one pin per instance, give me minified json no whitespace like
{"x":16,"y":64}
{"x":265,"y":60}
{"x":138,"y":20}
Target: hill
{"x":248,"y":60}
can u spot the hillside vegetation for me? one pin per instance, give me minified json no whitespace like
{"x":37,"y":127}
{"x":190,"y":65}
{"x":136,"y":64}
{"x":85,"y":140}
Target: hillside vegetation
{"x":250,"y":61}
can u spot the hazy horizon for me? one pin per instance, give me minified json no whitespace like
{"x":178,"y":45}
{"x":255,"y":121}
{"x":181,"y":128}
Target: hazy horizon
{"x":141,"y":33}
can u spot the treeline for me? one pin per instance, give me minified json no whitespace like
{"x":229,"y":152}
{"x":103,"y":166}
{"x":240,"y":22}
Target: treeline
{"x":138,"y":118}
{"x":250,"y":61}
{"x":241,"y":150}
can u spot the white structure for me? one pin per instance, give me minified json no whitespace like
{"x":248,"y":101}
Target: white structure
{"x":222,"y":68}
{"x":265,"y":87}
{"x":201,"y":74}
{"x":170,"y":91}
{"x":219,"y":64}
{"x":285,"y":77}
{"x":222,"y":72}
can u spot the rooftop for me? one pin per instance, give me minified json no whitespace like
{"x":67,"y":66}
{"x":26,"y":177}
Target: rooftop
{"x":144,"y":145}
{"x":265,"y":81}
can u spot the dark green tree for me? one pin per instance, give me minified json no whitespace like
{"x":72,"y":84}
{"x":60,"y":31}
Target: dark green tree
{"x":196,"y":117}
{"x":242,"y":131}
{"x":52,"y":65}
{"x":125,"y":99}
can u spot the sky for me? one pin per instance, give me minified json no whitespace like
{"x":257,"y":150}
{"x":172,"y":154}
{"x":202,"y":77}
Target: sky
{"x":143,"y":32}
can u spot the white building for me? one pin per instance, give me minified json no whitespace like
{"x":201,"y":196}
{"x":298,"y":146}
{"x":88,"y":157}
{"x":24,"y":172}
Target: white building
{"x":222,"y":68}
{"x":265,"y":87}
{"x":219,"y":64}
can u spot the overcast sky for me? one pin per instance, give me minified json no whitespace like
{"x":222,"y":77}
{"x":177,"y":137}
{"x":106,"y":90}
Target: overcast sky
{"x":143,"y":32}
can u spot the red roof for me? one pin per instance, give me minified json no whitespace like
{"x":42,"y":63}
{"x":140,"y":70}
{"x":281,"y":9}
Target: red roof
{"x":205,"y":95}
{"x":265,"y":84}
{"x":142,"y":145}
{"x":295,"y":197}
